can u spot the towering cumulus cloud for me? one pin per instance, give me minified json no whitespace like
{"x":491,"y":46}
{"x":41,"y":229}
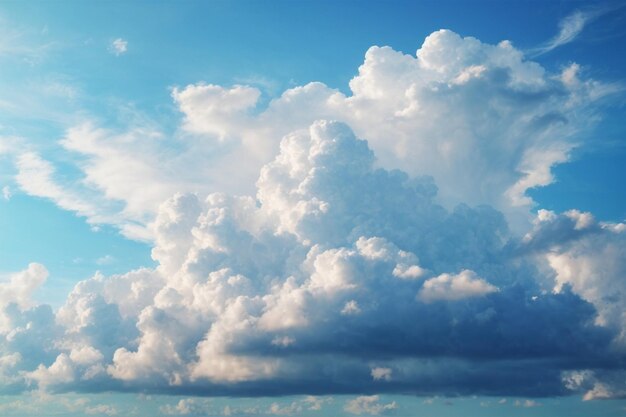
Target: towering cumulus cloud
{"x":483,"y":121}
{"x":346,"y":269}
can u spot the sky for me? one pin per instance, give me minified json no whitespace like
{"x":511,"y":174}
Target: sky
{"x":314,"y":208}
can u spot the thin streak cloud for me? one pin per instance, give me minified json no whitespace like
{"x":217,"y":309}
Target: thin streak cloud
{"x":570,"y":28}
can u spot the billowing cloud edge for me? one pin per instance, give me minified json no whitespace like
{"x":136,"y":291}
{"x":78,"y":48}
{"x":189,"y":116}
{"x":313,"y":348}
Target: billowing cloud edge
{"x":484,"y":121}
{"x":340,"y":266}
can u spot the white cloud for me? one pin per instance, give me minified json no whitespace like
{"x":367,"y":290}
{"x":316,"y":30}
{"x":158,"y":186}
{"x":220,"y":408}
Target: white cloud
{"x":381,"y":374}
{"x":215,"y":110}
{"x":6,"y":192}
{"x":308,"y":278}
{"x":287,"y":410}
{"x":527,"y":403}
{"x":101,"y":409}
{"x":105,"y":260}
{"x":351,"y":307}
{"x":369,"y":404}
{"x":20,"y":286}
{"x":587,"y":256}
{"x":118,"y":46}
{"x":283,"y":341}
{"x":596,"y":385}
{"x":316,"y":403}
{"x":187,"y":406}
{"x":86,"y":355}
{"x":450,"y":287}
{"x":572,"y":26}
{"x":569,"y":29}
{"x":485,"y":122}
{"x":249,"y":292}
{"x":60,"y":372}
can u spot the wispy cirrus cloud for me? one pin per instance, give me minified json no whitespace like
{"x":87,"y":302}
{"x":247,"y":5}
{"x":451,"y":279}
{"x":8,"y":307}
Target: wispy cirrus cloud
{"x":6,"y":192}
{"x":571,"y":27}
{"x":27,"y":45}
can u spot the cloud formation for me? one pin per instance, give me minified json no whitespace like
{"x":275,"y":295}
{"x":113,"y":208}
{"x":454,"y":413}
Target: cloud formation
{"x":369,"y":405}
{"x":569,"y":28}
{"x":486,"y":123}
{"x":119,"y":47}
{"x":572,"y":25}
{"x":371,"y":251}
{"x":338,"y":277}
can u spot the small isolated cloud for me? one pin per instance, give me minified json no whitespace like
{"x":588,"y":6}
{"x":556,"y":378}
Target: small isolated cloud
{"x":351,"y":307}
{"x":119,"y":46}
{"x":187,"y":406}
{"x":369,"y":404}
{"x":570,"y":28}
{"x":381,"y":374}
{"x":101,"y":409}
{"x":276,"y":409}
{"x":527,"y":403}
{"x":6,"y":193}
{"x":105,"y":260}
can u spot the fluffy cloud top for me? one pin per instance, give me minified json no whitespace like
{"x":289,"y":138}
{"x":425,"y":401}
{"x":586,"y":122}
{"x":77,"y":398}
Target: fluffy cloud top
{"x":343,"y":269}
{"x":483,"y":121}
{"x":455,"y":287}
{"x":334,"y":266}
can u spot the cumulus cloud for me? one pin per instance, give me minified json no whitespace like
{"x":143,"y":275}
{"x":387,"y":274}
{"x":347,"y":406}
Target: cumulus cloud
{"x":187,"y":406}
{"x":214,"y":110}
{"x":343,"y":268}
{"x":21,"y":285}
{"x":369,"y":405}
{"x":339,"y":276}
{"x":6,"y":193}
{"x":486,"y":123}
{"x":587,"y":256}
{"x":424,"y":115}
{"x":455,"y":287}
{"x":199,"y":406}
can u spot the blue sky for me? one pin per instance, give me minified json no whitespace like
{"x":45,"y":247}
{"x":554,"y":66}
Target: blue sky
{"x":281,"y":208}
